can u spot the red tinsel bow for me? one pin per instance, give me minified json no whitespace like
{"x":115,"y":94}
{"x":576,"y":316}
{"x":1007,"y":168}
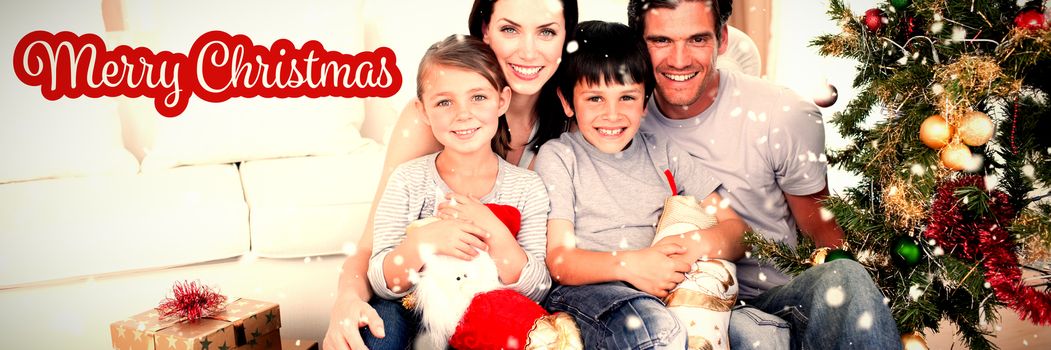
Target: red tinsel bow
{"x":986,"y":239}
{"x":191,"y":301}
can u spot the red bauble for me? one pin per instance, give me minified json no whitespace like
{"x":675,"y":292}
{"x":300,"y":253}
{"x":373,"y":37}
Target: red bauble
{"x":1031,"y":19}
{"x":500,"y":319}
{"x":875,"y":19}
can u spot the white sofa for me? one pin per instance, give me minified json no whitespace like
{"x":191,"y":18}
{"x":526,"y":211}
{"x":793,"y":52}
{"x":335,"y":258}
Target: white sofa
{"x":104,"y":203}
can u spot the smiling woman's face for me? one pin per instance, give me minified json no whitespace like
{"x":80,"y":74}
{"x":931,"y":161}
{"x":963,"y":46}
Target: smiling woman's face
{"x":527,"y":36}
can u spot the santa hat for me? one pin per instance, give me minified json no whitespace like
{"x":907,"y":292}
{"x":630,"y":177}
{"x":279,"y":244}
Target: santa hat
{"x":499,"y":319}
{"x":509,"y":215}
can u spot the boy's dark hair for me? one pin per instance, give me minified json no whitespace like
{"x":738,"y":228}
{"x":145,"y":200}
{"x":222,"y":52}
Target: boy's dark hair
{"x":637,"y":9}
{"x":551,"y":119}
{"x":608,"y":53}
{"x":470,"y":54}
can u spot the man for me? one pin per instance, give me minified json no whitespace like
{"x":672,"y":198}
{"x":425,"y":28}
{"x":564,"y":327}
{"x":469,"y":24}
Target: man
{"x":766,"y":145}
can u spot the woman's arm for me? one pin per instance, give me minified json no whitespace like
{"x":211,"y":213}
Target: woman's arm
{"x":411,"y":138}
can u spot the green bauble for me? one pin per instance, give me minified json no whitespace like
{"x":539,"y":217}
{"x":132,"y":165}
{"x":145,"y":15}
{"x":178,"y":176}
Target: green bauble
{"x":900,"y":4}
{"x":906,"y":252}
{"x":837,"y":254}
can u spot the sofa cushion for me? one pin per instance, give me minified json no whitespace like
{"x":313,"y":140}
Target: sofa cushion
{"x":95,"y":225}
{"x":49,"y":139}
{"x":310,"y":205}
{"x":243,"y":128}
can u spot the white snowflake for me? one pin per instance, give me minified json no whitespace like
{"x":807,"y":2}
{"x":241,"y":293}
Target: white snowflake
{"x":865,"y":321}
{"x":958,"y":33}
{"x":917,"y":169}
{"x":835,"y":296}
{"x":915,"y":292}
{"x":633,"y":322}
{"x":572,"y":46}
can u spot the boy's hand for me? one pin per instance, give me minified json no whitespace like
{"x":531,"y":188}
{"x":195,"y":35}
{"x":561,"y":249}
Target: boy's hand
{"x":652,"y":270}
{"x":458,"y":238}
{"x":459,"y":206}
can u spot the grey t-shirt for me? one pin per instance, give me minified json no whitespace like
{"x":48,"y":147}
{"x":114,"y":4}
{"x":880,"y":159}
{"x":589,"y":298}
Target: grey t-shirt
{"x":615,"y":200}
{"x":759,"y":140}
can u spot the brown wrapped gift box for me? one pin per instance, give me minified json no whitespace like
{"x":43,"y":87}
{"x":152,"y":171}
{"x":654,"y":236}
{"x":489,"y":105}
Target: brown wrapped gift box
{"x":243,"y":321}
{"x":272,"y":341}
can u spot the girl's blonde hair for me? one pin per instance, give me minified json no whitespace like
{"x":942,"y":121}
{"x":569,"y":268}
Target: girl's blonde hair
{"x":470,"y":54}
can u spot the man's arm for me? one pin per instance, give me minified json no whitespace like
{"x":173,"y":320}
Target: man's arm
{"x":807,"y":212}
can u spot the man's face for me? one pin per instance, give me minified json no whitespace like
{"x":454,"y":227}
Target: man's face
{"x":683,"y":49}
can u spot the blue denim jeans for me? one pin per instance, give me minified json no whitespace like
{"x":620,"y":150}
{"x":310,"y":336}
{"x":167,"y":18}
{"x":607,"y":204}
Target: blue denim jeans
{"x":834,"y":305}
{"x":616,"y":316}
{"x":399,"y":326}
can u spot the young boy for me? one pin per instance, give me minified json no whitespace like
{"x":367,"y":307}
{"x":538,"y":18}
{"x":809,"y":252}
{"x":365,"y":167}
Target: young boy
{"x":607,"y":185}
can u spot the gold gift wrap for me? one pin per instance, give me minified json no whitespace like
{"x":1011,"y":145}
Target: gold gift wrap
{"x":243,"y":321}
{"x":251,"y":318}
{"x":147,"y":331}
{"x":273,"y":341}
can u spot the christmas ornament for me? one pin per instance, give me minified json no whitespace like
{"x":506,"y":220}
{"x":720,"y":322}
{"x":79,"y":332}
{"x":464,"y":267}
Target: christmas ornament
{"x":957,"y":157}
{"x":983,"y":238}
{"x":906,"y":252}
{"x":1030,"y":19}
{"x":875,"y":19}
{"x":191,"y":301}
{"x":900,"y":4}
{"x":826,"y":97}
{"x":819,"y":255}
{"x":913,"y":341}
{"x":976,"y":128}
{"x":935,"y":132}
{"x":837,"y":254}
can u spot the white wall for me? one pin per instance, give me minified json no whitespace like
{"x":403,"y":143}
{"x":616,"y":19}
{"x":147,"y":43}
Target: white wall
{"x":794,"y":63}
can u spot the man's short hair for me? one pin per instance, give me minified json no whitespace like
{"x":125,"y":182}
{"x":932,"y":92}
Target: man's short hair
{"x":637,"y":12}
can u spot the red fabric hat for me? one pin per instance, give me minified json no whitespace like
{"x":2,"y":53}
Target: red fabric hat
{"x":499,"y":319}
{"x":509,"y":215}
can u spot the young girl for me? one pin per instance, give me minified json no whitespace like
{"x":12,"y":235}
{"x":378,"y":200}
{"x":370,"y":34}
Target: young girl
{"x":462,"y":92}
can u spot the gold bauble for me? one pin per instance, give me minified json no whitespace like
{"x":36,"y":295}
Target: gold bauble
{"x":935,"y":132}
{"x":976,"y":128}
{"x":956,"y":156}
{"x":913,"y":341}
{"x":818,"y":256}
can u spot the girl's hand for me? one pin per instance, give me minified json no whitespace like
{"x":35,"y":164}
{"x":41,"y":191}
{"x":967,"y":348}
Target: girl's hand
{"x":653,"y":270}
{"x":458,"y":238}
{"x":459,"y":206}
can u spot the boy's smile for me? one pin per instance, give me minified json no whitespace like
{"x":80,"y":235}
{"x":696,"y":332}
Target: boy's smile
{"x":608,"y":116}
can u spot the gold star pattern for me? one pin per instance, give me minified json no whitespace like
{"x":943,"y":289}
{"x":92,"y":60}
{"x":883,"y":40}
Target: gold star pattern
{"x":189,"y":344}
{"x":171,"y":341}
{"x":120,"y":332}
{"x":138,"y":335}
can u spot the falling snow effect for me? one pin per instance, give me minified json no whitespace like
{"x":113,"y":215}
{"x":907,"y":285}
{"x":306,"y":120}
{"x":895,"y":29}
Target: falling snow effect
{"x":835,"y":296}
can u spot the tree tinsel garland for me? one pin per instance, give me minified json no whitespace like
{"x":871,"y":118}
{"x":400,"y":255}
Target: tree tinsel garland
{"x":980,"y":234}
{"x":191,"y":301}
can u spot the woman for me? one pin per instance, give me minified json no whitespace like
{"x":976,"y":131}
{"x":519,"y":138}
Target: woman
{"x":528,"y":38}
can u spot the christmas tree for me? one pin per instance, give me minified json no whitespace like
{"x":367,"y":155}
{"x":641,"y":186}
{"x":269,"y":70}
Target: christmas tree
{"x":949,"y":136}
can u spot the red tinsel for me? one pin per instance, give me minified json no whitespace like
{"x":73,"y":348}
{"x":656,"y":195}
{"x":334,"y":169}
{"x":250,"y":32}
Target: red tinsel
{"x":986,"y":239}
{"x":191,"y":301}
